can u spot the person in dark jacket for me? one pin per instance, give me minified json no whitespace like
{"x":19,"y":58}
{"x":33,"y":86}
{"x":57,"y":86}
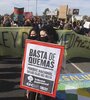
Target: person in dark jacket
{"x":48,"y":34}
{"x":33,"y":35}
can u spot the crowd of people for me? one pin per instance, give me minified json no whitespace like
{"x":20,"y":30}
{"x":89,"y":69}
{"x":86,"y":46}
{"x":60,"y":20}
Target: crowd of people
{"x":76,"y":25}
{"x":43,"y":31}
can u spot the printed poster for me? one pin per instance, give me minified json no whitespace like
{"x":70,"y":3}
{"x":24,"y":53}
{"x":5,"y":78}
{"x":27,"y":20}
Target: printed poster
{"x":41,"y":67}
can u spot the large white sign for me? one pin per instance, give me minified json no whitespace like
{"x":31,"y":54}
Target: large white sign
{"x":40,"y":66}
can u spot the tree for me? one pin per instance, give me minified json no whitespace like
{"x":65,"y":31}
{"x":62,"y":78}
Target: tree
{"x":45,"y":11}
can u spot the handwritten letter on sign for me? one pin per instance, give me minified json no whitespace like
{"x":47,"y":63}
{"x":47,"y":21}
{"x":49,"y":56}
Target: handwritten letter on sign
{"x":41,"y":67}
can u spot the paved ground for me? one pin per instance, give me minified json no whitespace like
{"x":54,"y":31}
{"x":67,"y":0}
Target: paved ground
{"x":10,"y":72}
{"x":78,"y":65}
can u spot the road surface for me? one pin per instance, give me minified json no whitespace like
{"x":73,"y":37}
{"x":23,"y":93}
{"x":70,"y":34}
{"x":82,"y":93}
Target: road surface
{"x":10,"y":73}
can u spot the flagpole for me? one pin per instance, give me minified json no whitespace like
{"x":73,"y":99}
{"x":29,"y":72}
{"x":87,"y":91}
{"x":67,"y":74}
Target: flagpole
{"x":36,"y":7}
{"x":28,"y":5}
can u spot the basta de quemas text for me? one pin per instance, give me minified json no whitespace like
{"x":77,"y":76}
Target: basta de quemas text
{"x":41,"y":58}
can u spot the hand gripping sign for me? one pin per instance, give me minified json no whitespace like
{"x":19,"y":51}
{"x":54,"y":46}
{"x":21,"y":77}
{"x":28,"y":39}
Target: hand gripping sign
{"x":41,"y":67}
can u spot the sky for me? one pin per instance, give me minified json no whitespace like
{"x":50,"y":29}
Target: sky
{"x":7,"y":6}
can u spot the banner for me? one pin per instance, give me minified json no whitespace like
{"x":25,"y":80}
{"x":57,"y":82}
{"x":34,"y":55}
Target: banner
{"x":18,"y":14}
{"x":74,"y":81}
{"x":76,"y":45}
{"x":12,"y":42}
{"x":41,"y":67}
{"x":18,"y":10}
{"x":75,"y":11}
{"x":28,"y":15}
{"x":63,"y":11}
{"x":74,"y":87}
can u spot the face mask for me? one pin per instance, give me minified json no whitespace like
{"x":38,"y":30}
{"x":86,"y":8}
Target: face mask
{"x":44,"y":39}
{"x":33,"y":37}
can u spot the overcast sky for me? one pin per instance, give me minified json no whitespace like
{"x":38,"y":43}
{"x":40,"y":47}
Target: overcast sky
{"x":7,"y":6}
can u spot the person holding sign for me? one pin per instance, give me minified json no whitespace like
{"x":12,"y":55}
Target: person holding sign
{"x":41,"y":65}
{"x":34,"y":35}
{"x":48,"y":34}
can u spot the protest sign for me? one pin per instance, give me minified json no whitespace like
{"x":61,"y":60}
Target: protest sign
{"x":41,"y":67}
